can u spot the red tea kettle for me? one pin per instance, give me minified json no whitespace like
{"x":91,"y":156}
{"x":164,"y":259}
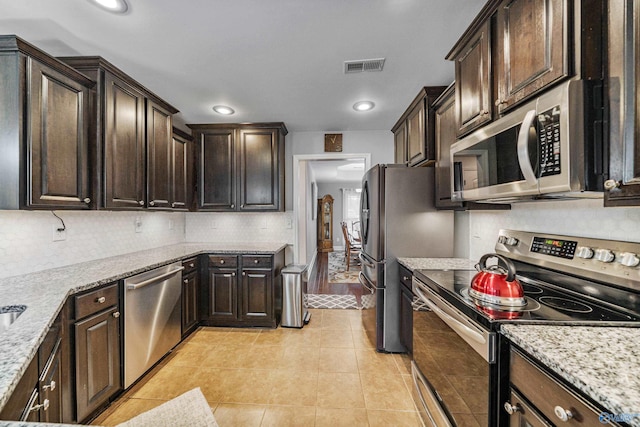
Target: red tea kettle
{"x":497,"y":285}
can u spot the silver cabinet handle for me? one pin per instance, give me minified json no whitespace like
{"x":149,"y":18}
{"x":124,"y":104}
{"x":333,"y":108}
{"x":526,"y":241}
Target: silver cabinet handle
{"x":192,"y":265}
{"x":564,"y":414}
{"x":44,"y":405}
{"x":152,"y":203}
{"x":141,"y":202}
{"x":51,"y":386}
{"x":87,"y":200}
{"x":174,"y":204}
{"x":134,"y":286}
{"x":221,"y":261}
{"x":185,"y":281}
{"x":512,"y":409}
{"x":242,"y":206}
{"x":101,"y":300}
{"x":244,"y":274}
{"x":255,"y":261}
{"x":116,"y":314}
{"x":233,"y":206}
{"x":405,"y":278}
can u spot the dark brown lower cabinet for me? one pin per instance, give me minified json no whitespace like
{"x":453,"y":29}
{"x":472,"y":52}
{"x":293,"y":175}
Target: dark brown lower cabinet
{"x":97,"y":349}
{"x":406,"y":310}
{"x":190,"y":289}
{"x":253,"y":300}
{"x":38,"y":396}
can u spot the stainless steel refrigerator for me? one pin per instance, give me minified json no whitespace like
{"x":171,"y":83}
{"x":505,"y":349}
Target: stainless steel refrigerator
{"x":397,"y":219}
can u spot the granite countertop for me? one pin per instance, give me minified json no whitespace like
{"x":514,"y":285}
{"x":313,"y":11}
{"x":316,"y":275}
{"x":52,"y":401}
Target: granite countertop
{"x":601,"y":362}
{"x":437,"y":263}
{"x":45,"y":292}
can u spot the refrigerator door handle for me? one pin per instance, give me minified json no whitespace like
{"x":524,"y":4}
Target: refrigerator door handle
{"x":365,"y":261}
{"x":365,"y":282}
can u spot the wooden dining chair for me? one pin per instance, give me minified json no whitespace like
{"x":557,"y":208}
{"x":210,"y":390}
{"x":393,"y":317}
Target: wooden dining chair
{"x":351,"y":247}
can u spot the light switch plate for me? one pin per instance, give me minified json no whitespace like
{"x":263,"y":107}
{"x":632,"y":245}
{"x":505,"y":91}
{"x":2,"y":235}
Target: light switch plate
{"x":138,"y":224}
{"x":59,"y":234}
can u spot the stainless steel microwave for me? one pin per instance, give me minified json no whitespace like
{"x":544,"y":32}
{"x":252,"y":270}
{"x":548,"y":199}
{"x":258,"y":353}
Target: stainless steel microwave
{"x":552,"y":146}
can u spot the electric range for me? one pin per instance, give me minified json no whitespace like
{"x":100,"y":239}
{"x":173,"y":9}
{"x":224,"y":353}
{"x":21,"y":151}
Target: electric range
{"x":566,"y":281}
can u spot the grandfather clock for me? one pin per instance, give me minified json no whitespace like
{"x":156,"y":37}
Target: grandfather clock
{"x":325,"y":224}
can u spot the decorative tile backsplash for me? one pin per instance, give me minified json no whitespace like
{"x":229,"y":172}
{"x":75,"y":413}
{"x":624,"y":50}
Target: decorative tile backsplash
{"x":584,"y":218}
{"x":240,"y":227}
{"x":27,"y":245}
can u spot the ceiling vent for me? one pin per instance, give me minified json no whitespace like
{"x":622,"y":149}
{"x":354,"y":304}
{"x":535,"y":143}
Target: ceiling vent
{"x":363,"y":65}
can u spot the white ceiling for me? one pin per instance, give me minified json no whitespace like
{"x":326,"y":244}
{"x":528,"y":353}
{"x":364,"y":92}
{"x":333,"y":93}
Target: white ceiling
{"x":271,"y":60}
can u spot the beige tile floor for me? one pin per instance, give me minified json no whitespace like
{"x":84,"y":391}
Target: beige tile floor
{"x":326,"y":374}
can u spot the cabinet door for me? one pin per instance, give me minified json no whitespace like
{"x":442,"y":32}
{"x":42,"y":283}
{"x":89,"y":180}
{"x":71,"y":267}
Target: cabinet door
{"x":159,"y":156}
{"x":223,"y":294}
{"x":180,"y":173}
{"x":406,"y":319}
{"x":445,"y":135}
{"x":58,"y":134}
{"x":22,"y":397}
{"x":532,"y":48}
{"x":189,"y":302}
{"x":259,"y":174}
{"x":257,"y":300}
{"x":97,"y":360}
{"x":473,"y":83}
{"x":216,"y":170}
{"x":124,"y":146}
{"x":400,"y":143}
{"x":416,"y":141}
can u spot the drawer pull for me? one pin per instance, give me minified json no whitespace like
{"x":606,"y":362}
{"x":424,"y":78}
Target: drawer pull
{"x":87,"y":200}
{"x":563,"y":414}
{"x":51,"y":386}
{"x":116,"y":314}
{"x":101,"y":300}
{"x":185,"y":281}
{"x":221,"y":261}
{"x":255,"y":261}
{"x":405,"y":278}
{"x":141,"y":202}
{"x":192,"y":265}
{"x":512,"y":409}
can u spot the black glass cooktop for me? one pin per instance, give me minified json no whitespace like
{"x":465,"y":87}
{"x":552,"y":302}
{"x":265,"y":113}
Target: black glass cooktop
{"x":546,"y":303}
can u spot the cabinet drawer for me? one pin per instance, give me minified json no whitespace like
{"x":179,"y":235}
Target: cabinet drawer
{"x":256,"y":261}
{"x":225,"y":261}
{"x":97,"y":300}
{"x":190,"y":265}
{"x":546,"y":394}
{"x":405,"y":277}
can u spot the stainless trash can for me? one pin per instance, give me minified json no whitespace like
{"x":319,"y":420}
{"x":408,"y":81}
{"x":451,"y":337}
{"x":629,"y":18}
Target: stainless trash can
{"x":294,"y":294}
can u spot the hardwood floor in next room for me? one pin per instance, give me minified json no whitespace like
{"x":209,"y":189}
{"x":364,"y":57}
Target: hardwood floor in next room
{"x":325,"y":374}
{"x":319,"y":283}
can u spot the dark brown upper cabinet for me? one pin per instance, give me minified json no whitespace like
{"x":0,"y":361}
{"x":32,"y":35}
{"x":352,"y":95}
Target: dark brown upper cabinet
{"x":240,"y":167}
{"x":413,"y":132}
{"x":473,"y":80}
{"x":515,"y":49}
{"x":623,"y":186}
{"x":44,"y":130}
{"x":182,"y":182}
{"x":532,"y":48}
{"x":133,"y":133}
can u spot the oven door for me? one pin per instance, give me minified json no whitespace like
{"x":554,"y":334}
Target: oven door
{"x":452,"y":363}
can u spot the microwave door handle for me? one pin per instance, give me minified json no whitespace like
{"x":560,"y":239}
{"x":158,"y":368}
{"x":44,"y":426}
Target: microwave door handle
{"x":523,"y":148}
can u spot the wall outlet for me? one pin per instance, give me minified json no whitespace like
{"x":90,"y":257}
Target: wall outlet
{"x":263,"y":223}
{"x":171,"y":224}
{"x":214,"y":223}
{"x":59,"y":233}
{"x":288,"y":223}
{"x":138,"y":224}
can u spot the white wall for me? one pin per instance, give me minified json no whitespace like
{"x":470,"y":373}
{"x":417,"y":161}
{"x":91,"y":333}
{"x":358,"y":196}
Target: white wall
{"x":26,"y":237}
{"x":478,"y":230}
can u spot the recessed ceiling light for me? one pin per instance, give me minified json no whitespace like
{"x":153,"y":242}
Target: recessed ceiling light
{"x":223,"y":109}
{"x":115,"y":6}
{"x":363,"y":106}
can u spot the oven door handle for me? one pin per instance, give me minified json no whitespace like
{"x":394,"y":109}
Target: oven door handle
{"x":523,"y":148}
{"x":455,"y":324}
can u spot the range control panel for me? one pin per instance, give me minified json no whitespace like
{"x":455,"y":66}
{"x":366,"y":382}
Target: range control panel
{"x":554,"y":247}
{"x":612,"y":261}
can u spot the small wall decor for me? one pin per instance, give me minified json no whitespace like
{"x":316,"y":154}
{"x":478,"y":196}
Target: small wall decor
{"x":333,"y":142}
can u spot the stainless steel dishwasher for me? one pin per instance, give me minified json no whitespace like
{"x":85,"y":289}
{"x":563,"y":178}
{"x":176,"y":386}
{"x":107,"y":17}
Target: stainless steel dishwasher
{"x":152,"y":310}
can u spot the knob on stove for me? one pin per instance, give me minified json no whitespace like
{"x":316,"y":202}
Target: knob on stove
{"x":584,"y":252}
{"x":628,"y":259}
{"x":604,"y":255}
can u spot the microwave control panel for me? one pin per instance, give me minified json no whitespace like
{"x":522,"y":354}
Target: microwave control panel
{"x":549,"y":139}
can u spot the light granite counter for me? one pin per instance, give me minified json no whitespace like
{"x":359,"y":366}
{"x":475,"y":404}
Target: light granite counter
{"x":45,"y":292}
{"x":601,"y":362}
{"x":437,"y":263}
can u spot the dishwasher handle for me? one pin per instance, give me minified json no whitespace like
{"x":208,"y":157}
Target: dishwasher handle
{"x":134,"y":286}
